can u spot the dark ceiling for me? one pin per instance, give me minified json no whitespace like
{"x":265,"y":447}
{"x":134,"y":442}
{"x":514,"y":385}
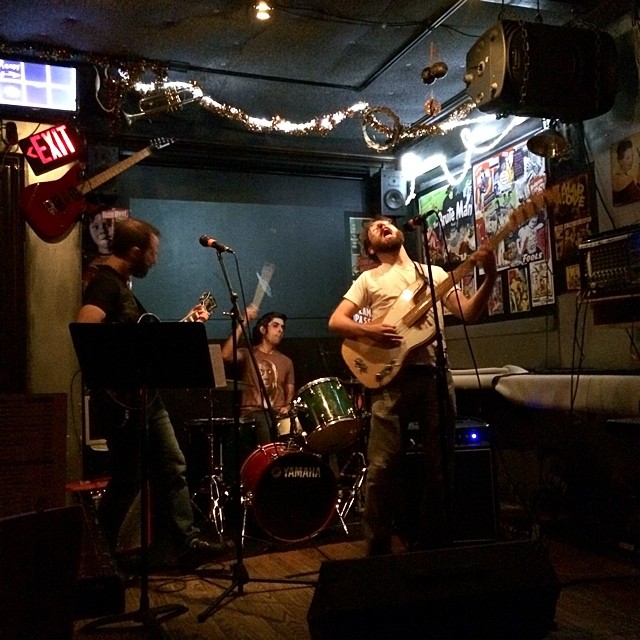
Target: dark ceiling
{"x":312,"y":58}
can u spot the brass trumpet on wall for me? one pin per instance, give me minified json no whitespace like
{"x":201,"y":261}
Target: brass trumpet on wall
{"x":166,"y":99}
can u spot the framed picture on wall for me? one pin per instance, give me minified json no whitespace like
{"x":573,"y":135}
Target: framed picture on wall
{"x":358,"y":260}
{"x":625,"y":171}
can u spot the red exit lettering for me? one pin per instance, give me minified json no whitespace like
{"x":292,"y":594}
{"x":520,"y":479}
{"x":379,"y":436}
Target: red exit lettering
{"x":52,"y":144}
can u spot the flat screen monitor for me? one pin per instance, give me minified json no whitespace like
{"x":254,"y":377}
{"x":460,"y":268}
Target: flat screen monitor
{"x":35,"y":85}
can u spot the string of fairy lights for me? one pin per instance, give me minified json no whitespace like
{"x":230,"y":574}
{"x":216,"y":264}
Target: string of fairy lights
{"x":382,"y":129}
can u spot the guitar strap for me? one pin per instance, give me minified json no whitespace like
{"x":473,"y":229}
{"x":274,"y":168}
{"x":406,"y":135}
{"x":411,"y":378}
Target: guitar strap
{"x":420,"y":272}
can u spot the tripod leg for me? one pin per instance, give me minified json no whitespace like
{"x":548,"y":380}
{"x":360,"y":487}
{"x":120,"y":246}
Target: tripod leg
{"x":239,"y":579}
{"x":149,"y":619}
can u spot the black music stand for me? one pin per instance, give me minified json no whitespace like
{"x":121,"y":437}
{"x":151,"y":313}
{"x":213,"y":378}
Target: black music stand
{"x":143,"y":356}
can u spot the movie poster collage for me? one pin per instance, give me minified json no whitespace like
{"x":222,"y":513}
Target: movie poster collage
{"x":486,"y":204}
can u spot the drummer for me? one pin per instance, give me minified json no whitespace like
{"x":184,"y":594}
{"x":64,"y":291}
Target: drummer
{"x":275,"y":370}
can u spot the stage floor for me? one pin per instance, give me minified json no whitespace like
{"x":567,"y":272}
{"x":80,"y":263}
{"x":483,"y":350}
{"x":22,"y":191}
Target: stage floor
{"x":599,"y":592}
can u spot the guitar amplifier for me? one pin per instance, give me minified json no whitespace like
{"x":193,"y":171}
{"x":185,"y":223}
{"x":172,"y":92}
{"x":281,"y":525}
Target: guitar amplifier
{"x":610,"y":264}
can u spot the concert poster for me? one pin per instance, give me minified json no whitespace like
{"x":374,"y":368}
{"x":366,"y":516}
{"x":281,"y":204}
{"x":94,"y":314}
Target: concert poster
{"x":572,"y":223}
{"x":449,"y":233}
{"x":501,"y":184}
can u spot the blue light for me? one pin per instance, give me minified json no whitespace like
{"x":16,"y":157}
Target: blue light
{"x":474,"y":436}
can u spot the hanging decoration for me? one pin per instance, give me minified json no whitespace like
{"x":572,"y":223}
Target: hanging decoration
{"x":115,"y":79}
{"x":436,"y":69}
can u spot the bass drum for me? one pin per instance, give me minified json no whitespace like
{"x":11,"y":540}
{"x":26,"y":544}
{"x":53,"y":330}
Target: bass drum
{"x":326,"y":415}
{"x":292,"y":494}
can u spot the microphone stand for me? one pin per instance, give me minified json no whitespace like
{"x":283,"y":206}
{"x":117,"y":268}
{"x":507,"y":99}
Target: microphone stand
{"x":446,"y":421}
{"x":239,"y":574}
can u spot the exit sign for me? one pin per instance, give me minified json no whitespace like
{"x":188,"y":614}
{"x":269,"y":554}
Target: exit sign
{"x":52,"y":148}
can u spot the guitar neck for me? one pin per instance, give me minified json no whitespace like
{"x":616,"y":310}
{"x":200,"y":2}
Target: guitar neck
{"x":112,"y":172}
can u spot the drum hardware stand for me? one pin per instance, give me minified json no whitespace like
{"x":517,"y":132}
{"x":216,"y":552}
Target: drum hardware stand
{"x":137,"y":356}
{"x":213,"y":486}
{"x":347,"y":497}
{"x":239,"y":575}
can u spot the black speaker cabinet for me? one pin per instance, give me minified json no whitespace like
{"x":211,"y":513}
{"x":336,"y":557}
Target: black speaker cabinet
{"x":474,"y":507}
{"x":543,"y":71}
{"x":39,"y":564}
{"x":388,"y":193}
{"x":500,"y":591}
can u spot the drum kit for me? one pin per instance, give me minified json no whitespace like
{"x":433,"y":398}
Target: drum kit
{"x":294,"y":486}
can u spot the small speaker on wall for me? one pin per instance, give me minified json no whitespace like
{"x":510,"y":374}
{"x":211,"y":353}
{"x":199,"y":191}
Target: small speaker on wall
{"x":388,"y":193}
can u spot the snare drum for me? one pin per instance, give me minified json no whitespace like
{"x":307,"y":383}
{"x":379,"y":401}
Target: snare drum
{"x":292,"y":494}
{"x":327,"y":416}
{"x":286,"y":425}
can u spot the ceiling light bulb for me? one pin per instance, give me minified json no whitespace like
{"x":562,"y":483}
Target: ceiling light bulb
{"x":263,"y":10}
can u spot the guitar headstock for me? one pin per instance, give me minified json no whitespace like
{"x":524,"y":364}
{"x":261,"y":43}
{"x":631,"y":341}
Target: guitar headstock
{"x":161,"y":143}
{"x":533,"y":206}
{"x":208,"y":301}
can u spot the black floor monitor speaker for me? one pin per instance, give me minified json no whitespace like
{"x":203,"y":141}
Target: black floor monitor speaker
{"x":497,"y":591}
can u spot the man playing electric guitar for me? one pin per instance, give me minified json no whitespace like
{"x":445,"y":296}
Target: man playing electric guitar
{"x":108,"y":298}
{"x":404,"y":390}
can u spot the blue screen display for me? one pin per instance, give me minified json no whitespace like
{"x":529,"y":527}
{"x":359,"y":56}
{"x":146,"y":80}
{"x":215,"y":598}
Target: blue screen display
{"x":35,"y":85}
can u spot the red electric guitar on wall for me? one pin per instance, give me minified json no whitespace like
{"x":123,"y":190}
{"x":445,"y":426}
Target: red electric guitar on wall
{"x":52,"y":207}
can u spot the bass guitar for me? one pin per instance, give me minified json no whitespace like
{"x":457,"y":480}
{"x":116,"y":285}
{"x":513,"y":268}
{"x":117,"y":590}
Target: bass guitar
{"x":52,"y":207}
{"x":412,"y":313}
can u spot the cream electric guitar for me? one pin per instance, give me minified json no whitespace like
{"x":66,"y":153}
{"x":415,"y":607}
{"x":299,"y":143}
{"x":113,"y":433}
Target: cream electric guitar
{"x":411,"y":314}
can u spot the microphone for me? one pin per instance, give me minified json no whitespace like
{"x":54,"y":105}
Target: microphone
{"x":212,"y":243}
{"x":430,"y":218}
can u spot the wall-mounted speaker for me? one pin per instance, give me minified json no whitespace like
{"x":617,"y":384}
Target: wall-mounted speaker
{"x":498,"y":591}
{"x":388,"y":193}
{"x":543,"y":71}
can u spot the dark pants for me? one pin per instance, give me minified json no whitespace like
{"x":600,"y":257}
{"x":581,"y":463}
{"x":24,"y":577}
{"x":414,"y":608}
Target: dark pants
{"x":124,"y":430}
{"x":411,"y":397}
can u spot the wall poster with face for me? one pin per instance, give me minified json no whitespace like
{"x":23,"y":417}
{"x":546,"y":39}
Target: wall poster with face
{"x":97,"y":234}
{"x":625,"y":171}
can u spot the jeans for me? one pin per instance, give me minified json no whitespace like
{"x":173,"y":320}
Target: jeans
{"x":412,"y":397}
{"x":124,"y":431}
